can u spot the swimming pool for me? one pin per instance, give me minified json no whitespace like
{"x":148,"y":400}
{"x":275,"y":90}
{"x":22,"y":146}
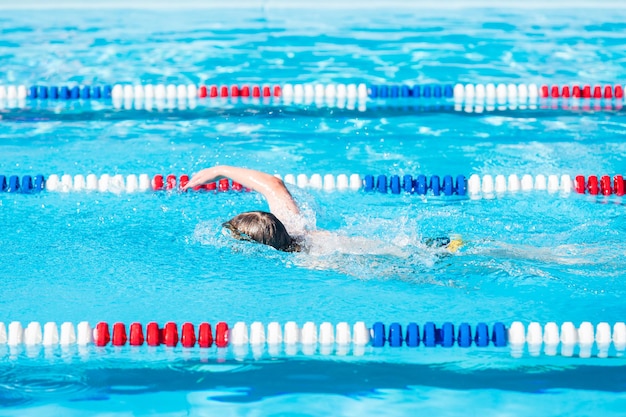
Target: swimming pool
{"x":533,"y":255}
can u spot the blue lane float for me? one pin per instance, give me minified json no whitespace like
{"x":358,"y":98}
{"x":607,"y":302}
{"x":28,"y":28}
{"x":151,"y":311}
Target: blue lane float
{"x":465,"y":335}
{"x":420,"y":185}
{"x":85,"y":92}
{"x":14,"y":184}
{"x":383,"y":91}
{"x":40,"y":183}
{"x":378,"y":334}
{"x":26,"y":185}
{"x":433,"y":336}
{"x":412,"y":336}
{"x":395,"y":335}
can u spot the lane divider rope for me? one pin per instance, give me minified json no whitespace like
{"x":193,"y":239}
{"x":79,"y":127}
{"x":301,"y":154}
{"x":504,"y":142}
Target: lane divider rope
{"x":517,"y":336}
{"x":486,"y":186}
{"x":490,"y":91}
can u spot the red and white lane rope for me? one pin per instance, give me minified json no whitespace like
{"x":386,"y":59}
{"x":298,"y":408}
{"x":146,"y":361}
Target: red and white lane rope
{"x":143,"y":182}
{"x":531,"y":92}
{"x":287,"y":91}
{"x":187,"y":335}
{"x":487,"y":185}
{"x":159,"y":97}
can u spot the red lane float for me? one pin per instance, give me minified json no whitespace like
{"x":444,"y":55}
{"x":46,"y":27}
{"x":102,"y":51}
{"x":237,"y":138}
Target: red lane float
{"x":223,"y":185}
{"x":153,"y":334}
{"x":170,"y":334}
{"x":205,"y":335}
{"x":592,"y":185}
{"x":119,"y":335}
{"x":598,"y":92}
{"x":136,"y":334}
{"x":170,"y":184}
{"x":188,"y":337}
{"x":618,"y":185}
{"x":101,"y":335}
{"x":579,"y":184}
{"x":214,"y":91}
{"x":157,"y":182}
{"x":604,"y":186}
{"x":167,"y":335}
{"x":221,"y":334}
{"x":184,"y":179}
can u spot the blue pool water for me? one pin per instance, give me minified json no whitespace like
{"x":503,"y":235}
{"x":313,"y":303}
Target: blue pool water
{"x":161,"y":257}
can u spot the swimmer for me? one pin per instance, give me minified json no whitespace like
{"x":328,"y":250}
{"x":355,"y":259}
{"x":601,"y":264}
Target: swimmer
{"x":284,"y":227}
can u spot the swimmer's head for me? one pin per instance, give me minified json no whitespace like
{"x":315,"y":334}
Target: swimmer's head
{"x":261,"y":227}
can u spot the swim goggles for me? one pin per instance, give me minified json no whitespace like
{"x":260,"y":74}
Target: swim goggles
{"x":229,"y":230}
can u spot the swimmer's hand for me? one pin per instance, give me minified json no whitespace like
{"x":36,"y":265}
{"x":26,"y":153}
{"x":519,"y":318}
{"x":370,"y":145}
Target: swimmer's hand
{"x":203,"y":177}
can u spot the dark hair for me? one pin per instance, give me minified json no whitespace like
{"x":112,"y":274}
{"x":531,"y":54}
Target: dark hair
{"x":262,"y":227}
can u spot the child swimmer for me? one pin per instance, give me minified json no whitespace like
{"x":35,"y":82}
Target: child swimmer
{"x":284,"y":227}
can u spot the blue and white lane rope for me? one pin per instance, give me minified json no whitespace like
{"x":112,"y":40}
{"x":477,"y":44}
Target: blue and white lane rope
{"x":476,"y":187}
{"x":601,"y":340}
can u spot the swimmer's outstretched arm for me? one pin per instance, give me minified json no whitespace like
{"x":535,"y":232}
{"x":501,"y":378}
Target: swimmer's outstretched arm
{"x":272,"y":188}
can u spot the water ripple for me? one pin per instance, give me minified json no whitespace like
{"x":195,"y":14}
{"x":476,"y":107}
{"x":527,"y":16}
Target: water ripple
{"x":33,"y":383}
